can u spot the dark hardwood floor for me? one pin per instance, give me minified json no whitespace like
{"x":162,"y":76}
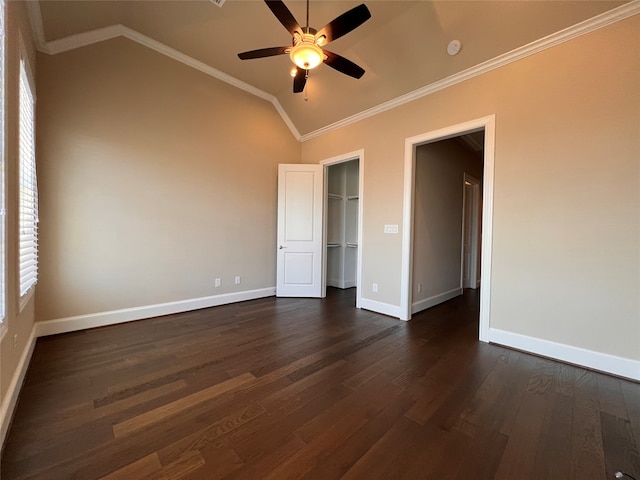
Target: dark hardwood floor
{"x":314,"y":389}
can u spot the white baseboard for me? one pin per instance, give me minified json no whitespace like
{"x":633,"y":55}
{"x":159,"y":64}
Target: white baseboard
{"x":11,"y":397}
{"x":341,"y":283}
{"x":379,"y":307}
{"x":623,"y":367}
{"x":101,"y":319}
{"x":435,"y":300}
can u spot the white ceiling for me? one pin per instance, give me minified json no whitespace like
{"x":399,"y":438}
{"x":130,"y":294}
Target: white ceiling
{"x":402,"y":47}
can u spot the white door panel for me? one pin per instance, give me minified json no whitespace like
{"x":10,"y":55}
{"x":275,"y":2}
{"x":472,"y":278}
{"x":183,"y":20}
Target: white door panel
{"x":299,"y":255}
{"x":298,"y":268}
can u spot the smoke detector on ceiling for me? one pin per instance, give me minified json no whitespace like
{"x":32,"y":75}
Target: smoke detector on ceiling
{"x":454,"y":47}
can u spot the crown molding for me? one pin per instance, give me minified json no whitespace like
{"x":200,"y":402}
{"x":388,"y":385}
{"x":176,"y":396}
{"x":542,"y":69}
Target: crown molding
{"x":84,"y":39}
{"x":94,"y":36}
{"x":35,"y":17}
{"x":286,"y":119}
{"x":615,"y":15}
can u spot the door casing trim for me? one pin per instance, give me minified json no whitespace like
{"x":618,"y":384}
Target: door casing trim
{"x":411,"y":143}
{"x":347,"y":157}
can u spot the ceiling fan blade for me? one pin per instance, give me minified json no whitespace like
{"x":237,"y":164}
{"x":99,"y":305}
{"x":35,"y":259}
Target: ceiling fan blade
{"x":300,"y":80}
{"x":285,"y":17}
{"x":343,"y":65}
{"x":263,"y":52}
{"x":345,"y":23}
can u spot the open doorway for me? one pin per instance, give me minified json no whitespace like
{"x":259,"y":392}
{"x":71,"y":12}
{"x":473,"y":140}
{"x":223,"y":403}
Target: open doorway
{"x":343,"y":222}
{"x":446,"y":212}
{"x":486,"y":125}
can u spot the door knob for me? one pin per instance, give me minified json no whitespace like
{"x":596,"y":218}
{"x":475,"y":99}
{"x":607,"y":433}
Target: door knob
{"x":282,"y":246}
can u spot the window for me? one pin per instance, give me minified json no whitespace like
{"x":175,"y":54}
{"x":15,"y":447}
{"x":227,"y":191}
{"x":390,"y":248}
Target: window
{"x":28,"y":187}
{"x":3,"y":263}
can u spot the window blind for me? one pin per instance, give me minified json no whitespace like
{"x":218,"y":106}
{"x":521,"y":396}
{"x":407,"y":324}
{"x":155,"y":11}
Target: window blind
{"x":28,"y":195}
{"x":3,"y":264}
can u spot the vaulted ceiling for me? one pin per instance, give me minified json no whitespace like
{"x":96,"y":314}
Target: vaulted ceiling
{"x":403,"y":47}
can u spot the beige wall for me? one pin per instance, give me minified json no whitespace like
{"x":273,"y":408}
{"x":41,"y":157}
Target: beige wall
{"x":154,"y":179}
{"x":566,"y":225}
{"x":437,"y":226}
{"x":15,"y":322}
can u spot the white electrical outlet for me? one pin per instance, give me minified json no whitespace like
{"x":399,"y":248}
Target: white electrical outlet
{"x":238,"y":280}
{"x":374,"y":287}
{"x":218,"y":282}
{"x":419,"y":288}
{"x":15,"y":340}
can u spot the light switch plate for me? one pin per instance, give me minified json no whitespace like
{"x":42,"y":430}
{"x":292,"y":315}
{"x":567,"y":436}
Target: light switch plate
{"x":391,"y":229}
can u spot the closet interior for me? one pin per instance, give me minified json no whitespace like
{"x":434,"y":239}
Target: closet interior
{"x":342,"y":224}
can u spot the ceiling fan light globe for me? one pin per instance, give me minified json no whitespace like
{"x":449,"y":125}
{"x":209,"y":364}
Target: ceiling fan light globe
{"x":307,"y":55}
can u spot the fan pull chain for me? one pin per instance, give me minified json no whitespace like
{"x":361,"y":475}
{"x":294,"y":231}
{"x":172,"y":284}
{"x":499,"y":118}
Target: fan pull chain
{"x":306,"y":82}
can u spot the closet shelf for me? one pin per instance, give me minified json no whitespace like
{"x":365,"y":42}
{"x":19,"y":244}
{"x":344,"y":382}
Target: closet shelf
{"x":352,"y":244}
{"x":334,"y":196}
{"x":333,"y":245}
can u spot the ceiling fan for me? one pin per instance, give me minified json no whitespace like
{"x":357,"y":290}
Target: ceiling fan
{"x":306,"y":51}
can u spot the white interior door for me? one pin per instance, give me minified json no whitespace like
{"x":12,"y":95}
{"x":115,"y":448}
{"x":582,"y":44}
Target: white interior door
{"x":470,"y":232}
{"x":299,"y":255}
